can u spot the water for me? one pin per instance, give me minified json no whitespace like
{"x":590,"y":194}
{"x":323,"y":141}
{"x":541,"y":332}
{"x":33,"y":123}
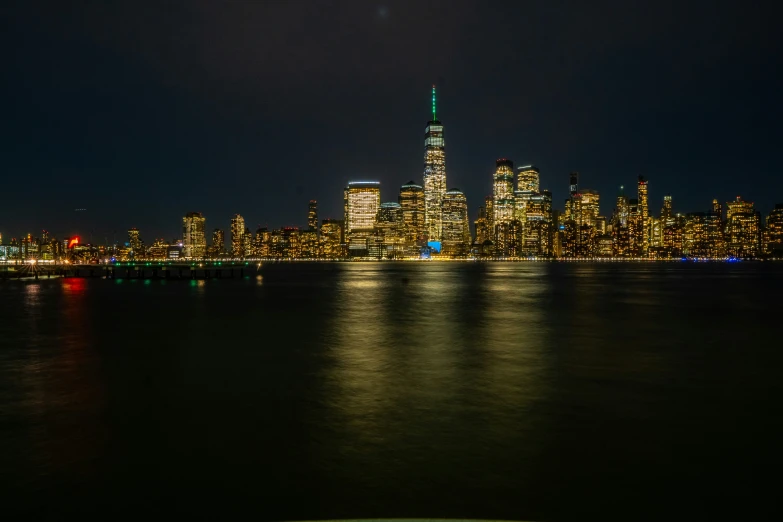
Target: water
{"x":510,"y":391}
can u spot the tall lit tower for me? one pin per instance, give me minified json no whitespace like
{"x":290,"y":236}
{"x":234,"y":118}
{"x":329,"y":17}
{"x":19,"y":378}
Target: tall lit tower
{"x":134,"y":241}
{"x":194,"y":242}
{"x":644,"y":215}
{"x":237,"y":235}
{"x":434,"y":175}
{"x":667,"y":216}
{"x":503,"y":191}
{"x":312,"y":215}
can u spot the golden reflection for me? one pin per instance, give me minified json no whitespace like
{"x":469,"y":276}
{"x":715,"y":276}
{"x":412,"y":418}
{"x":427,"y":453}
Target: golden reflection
{"x":428,"y":344}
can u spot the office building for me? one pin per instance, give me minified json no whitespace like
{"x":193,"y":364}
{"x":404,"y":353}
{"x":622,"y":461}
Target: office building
{"x":362,"y":200}
{"x":332,"y":239}
{"x":194,"y":241}
{"x":312,"y":215}
{"x":238,"y":236}
{"x":643,"y":213}
{"x":411,"y":201}
{"x":456,"y":227}
{"x":434,"y":175}
{"x":503,"y":191}
{"x":528,"y":179}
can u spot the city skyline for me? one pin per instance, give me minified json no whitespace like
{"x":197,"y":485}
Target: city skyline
{"x":171,"y":122}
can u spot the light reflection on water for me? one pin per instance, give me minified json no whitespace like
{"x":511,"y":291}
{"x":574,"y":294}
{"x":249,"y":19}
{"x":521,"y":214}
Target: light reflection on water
{"x":510,"y":391}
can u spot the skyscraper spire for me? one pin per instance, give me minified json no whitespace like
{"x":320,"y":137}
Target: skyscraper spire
{"x":434,"y":175}
{"x":433,"y":103}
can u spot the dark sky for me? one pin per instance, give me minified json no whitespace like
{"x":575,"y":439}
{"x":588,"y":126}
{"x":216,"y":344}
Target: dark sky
{"x":142,"y":111}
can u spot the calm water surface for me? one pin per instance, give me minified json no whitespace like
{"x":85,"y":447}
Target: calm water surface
{"x":311,"y":391}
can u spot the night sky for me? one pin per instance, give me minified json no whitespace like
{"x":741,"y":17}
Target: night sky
{"x":143,"y":111}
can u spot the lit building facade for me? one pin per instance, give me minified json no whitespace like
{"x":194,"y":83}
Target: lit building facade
{"x":411,"y":201}
{"x":503,"y":191}
{"x":643,"y":216}
{"x":774,"y":237}
{"x":237,"y":236}
{"x":528,"y":178}
{"x":332,"y":239}
{"x":218,"y":247}
{"x":389,"y":240}
{"x":362,"y":200}
{"x":456,"y":227}
{"x":135,"y":243}
{"x":312,"y":215}
{"x":743,"y":229}
{"x":194,"y":241}
{"x":434,"y":175}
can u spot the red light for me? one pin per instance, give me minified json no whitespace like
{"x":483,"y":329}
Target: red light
{"x":73,"y":241}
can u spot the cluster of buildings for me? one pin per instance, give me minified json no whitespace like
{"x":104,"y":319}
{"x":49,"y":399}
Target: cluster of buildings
{"x":429,"y":220}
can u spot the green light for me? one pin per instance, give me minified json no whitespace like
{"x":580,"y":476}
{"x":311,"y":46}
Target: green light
{"x":433,"y":104}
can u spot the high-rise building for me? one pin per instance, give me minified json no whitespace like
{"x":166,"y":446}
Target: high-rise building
{"x":332,"y":238}
{"x":312,"y":215}
{"x":528,"y":178}
{"x":590,"y":207}
{"x":538,"y":226}
{"x":389,"y":241}
{"x":503,"y":191}
{"x":434,"y":175}
{"x":774,"y":242}
{"x":218,"y":246}
{"x":135,"y":243}
{"x":743,"y":230}
{"x":194,"y":241}
{"x":261,"y":242}
{"x":412,"y":203}
{"x":667,"y":217}
{"x":362,"y":200}
{"x":237,"y":236}
{"x":456,"y":228}
{"x":644,"y":214}
{"x":247,"y":243}
{"x":481,"y":226}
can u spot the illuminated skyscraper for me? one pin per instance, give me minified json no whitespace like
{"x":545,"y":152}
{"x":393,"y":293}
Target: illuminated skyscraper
{"x":362,"y":200}
{"x":528,"y":178}
{"x":503,"y":191}
{"x":134,"y":242}
{"x":667,"y":217}
{"x":590,"y":207}
{"x":774,"y":243}
{"x":218,"y":246}
{"x":237,"y":236}
{"x":247,"y":243}
{"x":312,"y":215}
{"x":742,"y":229}
{"x":389,"y":238}
{"x":261,"y":242}
{"x":456,"y":228}
{"x":644,"y":214}
{"x":434,"y":175}
{"x":194,"y":241}
{"x":332,"y":238}
{"x":538,"y":226}
{"x":412,"y":203}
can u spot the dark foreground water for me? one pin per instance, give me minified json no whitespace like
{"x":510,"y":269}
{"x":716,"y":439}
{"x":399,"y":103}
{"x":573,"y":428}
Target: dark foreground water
{"x":512,"y":391}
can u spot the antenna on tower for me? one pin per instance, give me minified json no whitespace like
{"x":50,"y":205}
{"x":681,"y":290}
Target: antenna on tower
{"x":433,"y":103}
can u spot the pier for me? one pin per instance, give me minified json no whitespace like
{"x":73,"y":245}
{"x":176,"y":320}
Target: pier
{"x":129,"y":270}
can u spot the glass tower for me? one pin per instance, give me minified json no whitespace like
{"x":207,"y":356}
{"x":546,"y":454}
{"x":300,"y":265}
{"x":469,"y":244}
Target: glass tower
{"x":434,"y":175}
{"x":503,"y":191}
{"x":194,"y":242}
